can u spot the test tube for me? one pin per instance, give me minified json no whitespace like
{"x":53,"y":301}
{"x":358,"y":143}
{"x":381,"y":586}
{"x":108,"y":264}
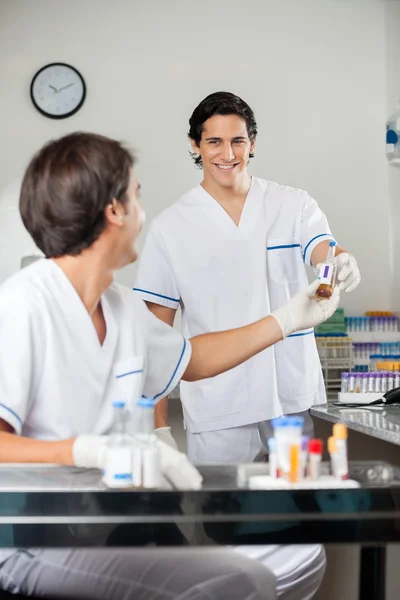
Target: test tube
{"x":344,"y":383}
{"x":340,"y":434}
{"x":390,"y":380}
{"x":371,"y":382}
{"x":396,"y":374}
{"x":303,"y":456}
{"x":352,"y":383}
{"x":314,"y":459}
{"x":364,"y":383}
{"x":294,"y":463}
{"x":384,"y":382}
{"x":272,"y":458}
{"x":378,"y":383}
{"x":332,"y":449}
{"x":358,"y":383}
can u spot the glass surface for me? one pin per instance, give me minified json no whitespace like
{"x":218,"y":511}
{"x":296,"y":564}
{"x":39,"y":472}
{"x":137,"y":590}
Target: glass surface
{"x":60,"y":506}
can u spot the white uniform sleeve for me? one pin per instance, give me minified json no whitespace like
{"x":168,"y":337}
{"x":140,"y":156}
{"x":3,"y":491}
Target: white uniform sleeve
{"x":155,"y":280}
{"x":17,"y":367}
{"x":314,"y":227}
{"x":168,"y":355}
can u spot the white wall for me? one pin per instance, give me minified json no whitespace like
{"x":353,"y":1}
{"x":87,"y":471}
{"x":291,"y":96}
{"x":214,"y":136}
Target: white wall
{"x":313,"y":70}
{"x":392,"y":29}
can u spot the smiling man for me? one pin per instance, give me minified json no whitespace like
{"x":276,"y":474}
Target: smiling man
{"x":229,"y":252}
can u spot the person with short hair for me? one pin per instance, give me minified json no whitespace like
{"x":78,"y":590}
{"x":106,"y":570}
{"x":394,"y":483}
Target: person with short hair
{"x":67,"y":331}
{"x":227,"y":252}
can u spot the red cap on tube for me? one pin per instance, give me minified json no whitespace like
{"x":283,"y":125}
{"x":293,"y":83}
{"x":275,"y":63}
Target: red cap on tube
{"x":315,"y":446}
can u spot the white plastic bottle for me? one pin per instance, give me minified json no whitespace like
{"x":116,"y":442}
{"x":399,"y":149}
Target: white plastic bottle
{"x":146,"y":454}
{"x":118,"y":459}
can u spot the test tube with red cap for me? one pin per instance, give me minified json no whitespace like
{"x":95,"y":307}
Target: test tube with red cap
{"x":315,"y":448}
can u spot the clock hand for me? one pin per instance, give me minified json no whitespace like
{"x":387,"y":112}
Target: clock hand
{"x":53,"y":88}
{"x":65,"y":87}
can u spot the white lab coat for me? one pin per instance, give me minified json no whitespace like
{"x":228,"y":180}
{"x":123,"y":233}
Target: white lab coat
{"x":56,"y":380}
{"x":225,"y":276}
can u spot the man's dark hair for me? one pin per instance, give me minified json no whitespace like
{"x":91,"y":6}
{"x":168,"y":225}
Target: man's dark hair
{"x":67,"y":187}
{"x":219,"y":103}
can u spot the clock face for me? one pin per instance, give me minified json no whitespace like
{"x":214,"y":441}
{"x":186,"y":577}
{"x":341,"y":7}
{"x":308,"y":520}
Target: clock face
{"x":58,"y":90}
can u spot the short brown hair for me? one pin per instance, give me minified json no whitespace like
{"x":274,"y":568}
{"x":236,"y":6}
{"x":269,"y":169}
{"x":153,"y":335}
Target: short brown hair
{"x":67,"y":187}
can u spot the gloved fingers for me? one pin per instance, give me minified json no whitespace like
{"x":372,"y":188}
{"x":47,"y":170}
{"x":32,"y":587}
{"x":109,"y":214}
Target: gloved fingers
{"x":88,"y":451}
{"x":177,"y":468}
{"x":164,"y":435}
{"x":312,"y":288}
{"x":345,"y":283}
{"x":344,"y":272}
{"x":353,"y":285}
{"x":329,"y":306}
{"x":182,"y":474}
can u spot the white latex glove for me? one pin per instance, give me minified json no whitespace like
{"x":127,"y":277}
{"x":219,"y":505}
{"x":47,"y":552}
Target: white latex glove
{"x":176,"y":468}
{"x":164,"y":435}
{"x":89,"y":451}
{"x":305,"y":310}
{"x":347,"y":272}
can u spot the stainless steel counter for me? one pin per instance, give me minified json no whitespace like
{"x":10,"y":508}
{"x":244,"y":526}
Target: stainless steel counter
{"x":379,"y":422}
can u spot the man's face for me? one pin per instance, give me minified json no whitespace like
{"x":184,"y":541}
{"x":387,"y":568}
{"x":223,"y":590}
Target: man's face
{"x":133,"y":221}
{"x":224,"y":148}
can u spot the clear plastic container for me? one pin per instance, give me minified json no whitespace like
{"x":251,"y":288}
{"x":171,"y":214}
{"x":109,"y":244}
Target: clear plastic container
{"x":378,"y":383}
{"x":364,"y":383}
{"x":117,"y":471}
{"x":384,"y":382}
{"x":352,"y":383}
{"x":344,"y":383}
{"x":287,"y":432}
{"x":371,"y":382}
{"x":390,"y":381}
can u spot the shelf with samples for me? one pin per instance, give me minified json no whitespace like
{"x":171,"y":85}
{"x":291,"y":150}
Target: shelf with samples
{"x":356,"y":344}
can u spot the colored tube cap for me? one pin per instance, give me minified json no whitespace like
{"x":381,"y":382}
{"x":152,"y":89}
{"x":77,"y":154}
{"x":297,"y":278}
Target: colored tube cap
{"x":340,"y":431}
{"x":332,"y":447}
{"x":315,"y":446}
{"x":118,"y":403}
{"x":290,"y":421}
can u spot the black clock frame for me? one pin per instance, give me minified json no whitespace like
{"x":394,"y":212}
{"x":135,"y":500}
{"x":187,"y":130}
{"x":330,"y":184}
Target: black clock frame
{"x":72,"y":112}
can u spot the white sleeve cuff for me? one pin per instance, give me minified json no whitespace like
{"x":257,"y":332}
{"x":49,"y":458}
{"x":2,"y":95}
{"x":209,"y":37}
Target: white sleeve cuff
{"x":11,"y":417}
{"x":179,"y":370}
{"x":308,"y":249}
{"x":161,"y":299}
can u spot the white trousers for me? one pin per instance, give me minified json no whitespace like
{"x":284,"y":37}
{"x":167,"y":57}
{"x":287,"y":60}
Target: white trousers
{"x":299,"y":570}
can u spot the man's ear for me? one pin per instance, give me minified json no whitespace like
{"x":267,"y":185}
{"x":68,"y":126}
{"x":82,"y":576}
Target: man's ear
{"x":195,"y":148}
{"x":114,"y":213}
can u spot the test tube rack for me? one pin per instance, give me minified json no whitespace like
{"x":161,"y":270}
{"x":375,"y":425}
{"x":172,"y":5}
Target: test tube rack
{"x":358,"y":397}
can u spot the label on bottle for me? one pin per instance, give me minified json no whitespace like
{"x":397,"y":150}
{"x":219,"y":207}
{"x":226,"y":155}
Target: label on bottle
{"x":326,"y":274}
{"x":118,"y":467}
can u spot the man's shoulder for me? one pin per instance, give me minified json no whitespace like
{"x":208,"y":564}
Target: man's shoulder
{"x":123,"y":298}
{"x":22,"y":289}
{"x":177,"y":210}
{"x":279,"y":190}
